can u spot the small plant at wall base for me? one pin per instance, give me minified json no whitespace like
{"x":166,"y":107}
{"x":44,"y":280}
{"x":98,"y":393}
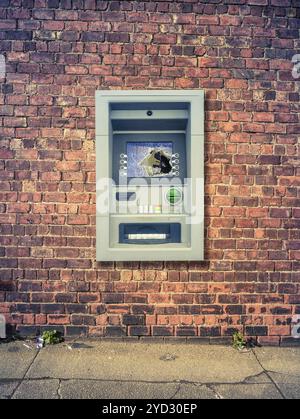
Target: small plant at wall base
{"x":51,"y":337}
{"x":238,"y":341}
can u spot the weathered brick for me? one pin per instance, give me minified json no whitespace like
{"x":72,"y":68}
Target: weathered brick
{"x":142,"y":309}
{"x":47,"y":168}
{"x":138,"y":330}
{"x":83,"y":319}
{"x":18,"y":35}
{"x":162,"y":330}
{"x":280,"y":212}
{"x":115,"y":331}
{"x":256,"y":330}
{"x":29,"y":331}
{"x":58,"y":319}
{"x":77,"y":331}
{"x":209,"y":331}
{"x":112,"y":298}
{"x":129,"y":319}
{"x":52,"y":308}
{"x":92,"y":37}
{"x":186,"y":331}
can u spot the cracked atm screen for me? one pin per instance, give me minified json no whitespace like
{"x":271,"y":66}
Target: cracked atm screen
{"x":151,"y":159}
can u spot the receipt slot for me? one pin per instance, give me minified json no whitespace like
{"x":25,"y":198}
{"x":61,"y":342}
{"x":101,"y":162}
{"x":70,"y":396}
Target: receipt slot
{"x":149,"y":174}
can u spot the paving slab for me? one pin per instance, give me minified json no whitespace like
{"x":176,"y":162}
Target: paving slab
{"x":7,"y":388}
{"x":289,"y":384}
{"x":93,"y":389}
{"x":261,"y":378}
{"x":247,"y":391}
{"x":147,"y":370}
{"x":282,"y":360}
{"x":15,"y":359}
{"x":195,"y":391}
{"x":152,"y":362}
{"x":37,"y":389}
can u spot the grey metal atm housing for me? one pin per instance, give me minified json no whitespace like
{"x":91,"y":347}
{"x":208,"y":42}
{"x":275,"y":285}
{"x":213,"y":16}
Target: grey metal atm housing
{"x":150,"y":175}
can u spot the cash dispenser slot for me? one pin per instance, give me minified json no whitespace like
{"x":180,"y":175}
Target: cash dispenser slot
{"x":149,"y":233}
{"x":125,"y":196}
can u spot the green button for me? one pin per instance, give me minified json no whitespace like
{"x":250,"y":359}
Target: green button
{"x":174,"y":196}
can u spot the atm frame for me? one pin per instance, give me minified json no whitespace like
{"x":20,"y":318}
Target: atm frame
{"x":194,"y":248}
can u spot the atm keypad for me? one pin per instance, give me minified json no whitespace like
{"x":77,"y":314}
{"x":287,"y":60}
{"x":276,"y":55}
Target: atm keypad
{"x":123,"y":164}
{"x":175,"y":164}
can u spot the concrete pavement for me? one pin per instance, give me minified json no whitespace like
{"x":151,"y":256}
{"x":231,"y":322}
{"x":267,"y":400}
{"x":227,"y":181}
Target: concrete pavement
{"x":142,"y":370}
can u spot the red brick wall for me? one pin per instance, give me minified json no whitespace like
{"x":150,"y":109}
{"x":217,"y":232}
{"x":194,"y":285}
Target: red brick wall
{"x":240,"y":52}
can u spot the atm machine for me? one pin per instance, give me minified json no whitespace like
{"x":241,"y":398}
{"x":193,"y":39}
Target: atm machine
{"x":149,"y":175}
